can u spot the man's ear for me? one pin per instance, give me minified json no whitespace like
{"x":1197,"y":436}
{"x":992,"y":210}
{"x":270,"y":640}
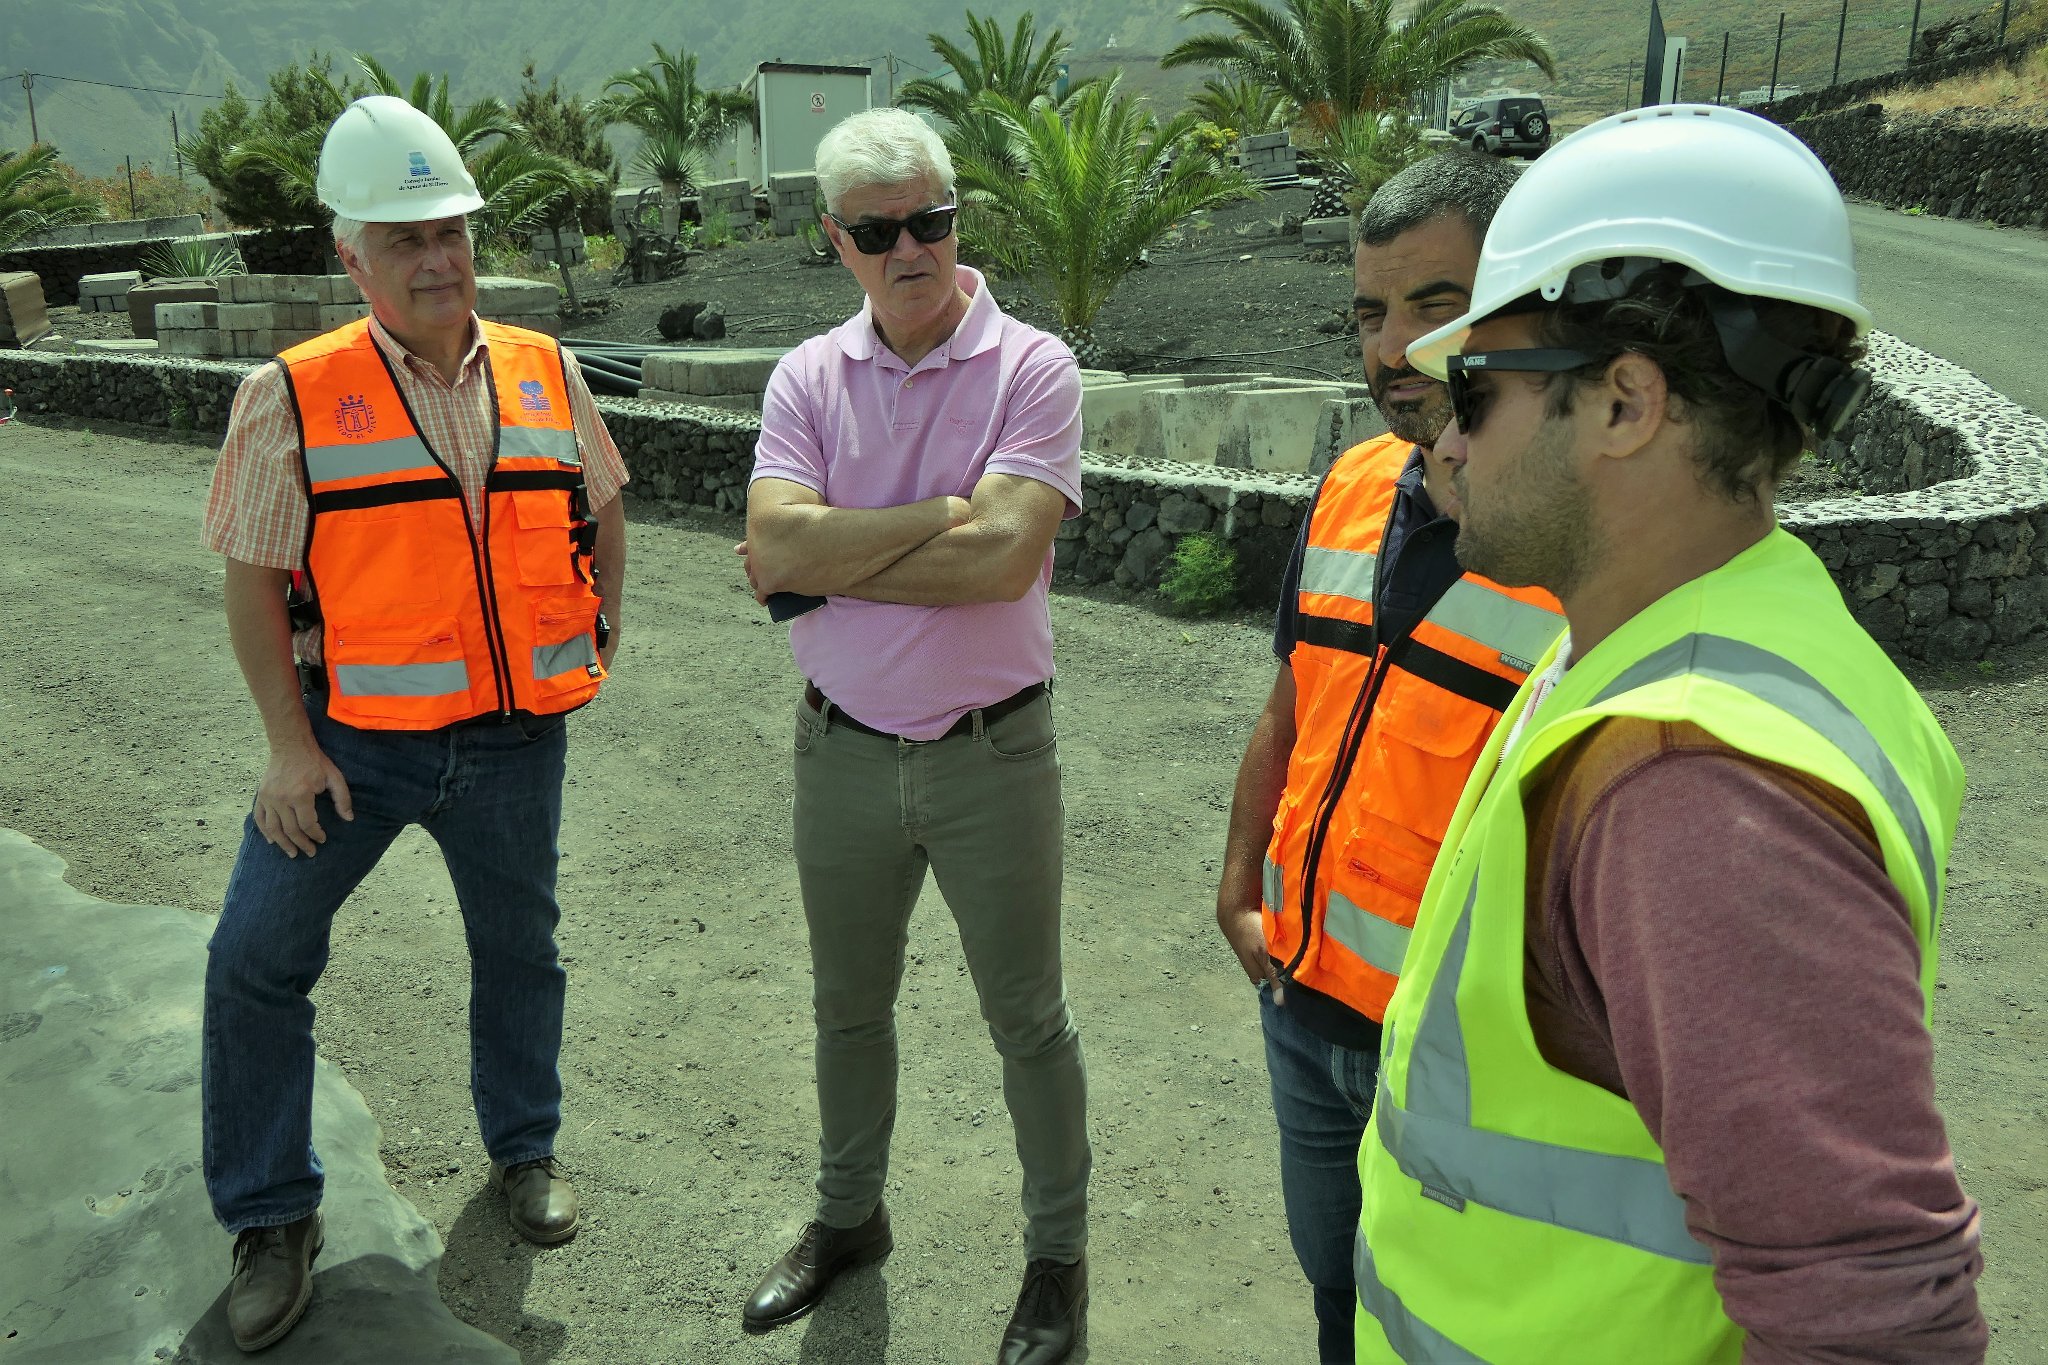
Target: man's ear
{"x":1634,"y":399}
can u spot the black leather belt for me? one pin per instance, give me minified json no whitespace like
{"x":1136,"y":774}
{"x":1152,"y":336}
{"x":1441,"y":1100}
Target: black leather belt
{"x":989,"y":714}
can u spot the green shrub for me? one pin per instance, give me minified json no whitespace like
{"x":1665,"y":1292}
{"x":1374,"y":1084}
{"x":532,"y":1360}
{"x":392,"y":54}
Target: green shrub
{"x":192,"y":258}
{"x":1201,"y":579}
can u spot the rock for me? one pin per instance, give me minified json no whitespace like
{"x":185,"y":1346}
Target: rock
{"x":1140,"y":514}
{"x":1875,"y":581}
{"x":677,"y":320}
{"x":1143,"y":558}
{"x":122,"y":1260}
{"x":1180,"y":515}
{"x":1927,"y":603}
{"x":1959,"y":638}
{"x":708,"y":327}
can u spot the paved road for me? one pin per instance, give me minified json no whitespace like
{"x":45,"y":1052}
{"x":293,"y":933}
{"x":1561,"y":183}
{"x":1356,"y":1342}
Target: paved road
{"x":1973,"y":295}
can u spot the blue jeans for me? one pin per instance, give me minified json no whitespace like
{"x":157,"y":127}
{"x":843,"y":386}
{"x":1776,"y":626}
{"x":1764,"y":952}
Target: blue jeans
{"x":1322,"y":1096}
{"x":491,"y":796}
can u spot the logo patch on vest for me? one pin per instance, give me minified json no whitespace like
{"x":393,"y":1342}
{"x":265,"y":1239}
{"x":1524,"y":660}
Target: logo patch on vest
{"x":354,"y":417}
{"x":1455,"y":1203}
{"x":533,"y":396}
{"x":1520,"y":665}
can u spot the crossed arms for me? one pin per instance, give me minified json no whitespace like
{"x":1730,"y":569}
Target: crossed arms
{"x":944,"y":551}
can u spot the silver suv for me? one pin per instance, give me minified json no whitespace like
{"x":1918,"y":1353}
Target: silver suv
{"x":1504,"y":124}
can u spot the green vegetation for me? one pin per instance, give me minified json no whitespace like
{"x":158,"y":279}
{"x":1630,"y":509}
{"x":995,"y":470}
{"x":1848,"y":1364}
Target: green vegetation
{"x":1243,"y":106}
{"x":1093,"y":195}
{"x":34,"y":197}
{"x":564,"y":126}
{"x":192,"y":258}
{"x":265,"y":190}
{"x":679,"y":121}
{"x":1201,"y":578}
{"x":1015,"y":70}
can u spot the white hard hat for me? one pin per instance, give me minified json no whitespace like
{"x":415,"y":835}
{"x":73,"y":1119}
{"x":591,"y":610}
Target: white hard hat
{"x":386,"y":162}
{"x":1735,"y":197}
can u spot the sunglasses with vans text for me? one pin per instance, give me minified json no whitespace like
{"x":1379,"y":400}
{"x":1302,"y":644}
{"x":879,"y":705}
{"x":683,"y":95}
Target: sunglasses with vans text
{"x":1470,"y":404}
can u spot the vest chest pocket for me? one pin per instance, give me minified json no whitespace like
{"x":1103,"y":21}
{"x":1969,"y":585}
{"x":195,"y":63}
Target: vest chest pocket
{"x":543,"y":543}
{"x":399,"y":671}
{"x":565,"y":648}
{"x":380,"y":555}
{"x":1423,"y":746}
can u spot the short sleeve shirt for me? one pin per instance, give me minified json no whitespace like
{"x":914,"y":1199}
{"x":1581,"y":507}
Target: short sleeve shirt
{"x":846,"y":418}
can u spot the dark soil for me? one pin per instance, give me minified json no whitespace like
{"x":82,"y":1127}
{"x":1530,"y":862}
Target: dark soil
{"x":1229,"y":290}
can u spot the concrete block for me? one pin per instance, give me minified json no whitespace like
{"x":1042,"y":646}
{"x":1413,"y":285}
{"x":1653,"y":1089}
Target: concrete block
{"x":725,"y":370}
{"x":1263,"y":141}
{"x":333,"y":289}
{"x":499,"y":295}
{"x":1342,"y":424}
{"x":189,"y":341}
{"x":1274,"y":429}
{"x":548,"y":323}
{"x":1113,"y":416}
{"x":144,"y":300}
{"x":1186,"y":423}
{"x":187,"y":315}
{"x":333,"y":315}
{"x":270,"y":341}
{"x":731,"y":402}
{"x":250,"y":317}
{"x":296,"y":289}
{"x":115,"y":283}
{"x":1326,"y":232}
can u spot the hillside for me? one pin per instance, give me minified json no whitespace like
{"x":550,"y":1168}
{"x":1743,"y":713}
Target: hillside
{"x":198,"y":46}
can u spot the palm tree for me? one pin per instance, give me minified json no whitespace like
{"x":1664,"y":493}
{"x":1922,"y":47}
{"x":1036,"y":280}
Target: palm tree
{"x":518,"y":182}
{"x":1359,"y":153}
{"x":1015,"y":68}
{"x":34,"y":197}
{"x":1333,"y":57}
{"x":1093,"y":197}
{"x":680,"y":122}
{"x":1243,"y":106}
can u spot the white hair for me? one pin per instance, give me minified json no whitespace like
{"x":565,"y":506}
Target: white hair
{"x":349,"y":232}
{"x":881,"y":147}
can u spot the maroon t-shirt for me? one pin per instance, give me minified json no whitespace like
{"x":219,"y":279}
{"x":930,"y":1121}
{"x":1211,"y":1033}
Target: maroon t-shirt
{"x":1714,"y":938}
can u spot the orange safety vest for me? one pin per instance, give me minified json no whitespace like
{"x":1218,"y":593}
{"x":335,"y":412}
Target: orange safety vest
{"x":1384,"y":739}
{"x":428,"y":619}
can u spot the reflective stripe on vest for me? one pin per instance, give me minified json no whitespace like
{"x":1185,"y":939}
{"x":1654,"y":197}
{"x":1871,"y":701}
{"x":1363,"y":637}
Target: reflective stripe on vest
{"x":579,"y":653}
{"x":1518,"y":630}
{"x":1339,"y":573}
{"x":1375,"y":939}
{"x":1411,"y":1336}
{"x":402,"y":680}
{"x":543,"y":443}
{"x":1781,"y":683}
{"x":399,"y":455}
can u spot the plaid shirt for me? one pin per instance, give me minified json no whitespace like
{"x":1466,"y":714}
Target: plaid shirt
{"x":257,"y":511}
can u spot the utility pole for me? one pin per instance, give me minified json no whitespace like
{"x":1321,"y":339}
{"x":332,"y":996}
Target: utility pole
{"x":28,"y":83}
{"x":2004,"y":14}
{"x":1776,"y":53}
{"x":1841,"y":31}
{"x":1628,"y":90}
{"x":132,"y":213}
{"x":1722,"y":83}
{"x":176,"y":150}
{"x":1914,"y":40}
{"x":890,"y":58}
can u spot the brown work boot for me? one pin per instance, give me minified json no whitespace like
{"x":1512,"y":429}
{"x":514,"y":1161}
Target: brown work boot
{"x":1051,"y":1316}
{"x":541,"y":1204}
{"x":273,"y":1281}
{"x":794,"y":1284}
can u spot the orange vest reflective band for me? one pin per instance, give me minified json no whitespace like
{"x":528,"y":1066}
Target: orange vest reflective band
{"x":1384,"y":739}
{"x":427,"y":618}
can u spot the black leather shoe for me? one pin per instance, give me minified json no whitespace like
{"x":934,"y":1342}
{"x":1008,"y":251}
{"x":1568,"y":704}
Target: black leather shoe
{"x":273,"y":1281}
{"x":794,"y":1284}
{"x":1051,"y":1316}
{"x":539,"y":1200}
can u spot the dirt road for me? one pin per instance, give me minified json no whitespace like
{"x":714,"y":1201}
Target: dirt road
{"x":128,"y":746}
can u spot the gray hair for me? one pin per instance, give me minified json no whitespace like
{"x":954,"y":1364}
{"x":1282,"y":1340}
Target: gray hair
{"x":881,"y":147}
{"x":349,"y":231}
{"x":1456,"y":180}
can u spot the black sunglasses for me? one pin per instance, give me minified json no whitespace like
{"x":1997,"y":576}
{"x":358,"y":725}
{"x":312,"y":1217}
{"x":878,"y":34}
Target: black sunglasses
{"x":874,"y":236}
{"x":1459,"y":369}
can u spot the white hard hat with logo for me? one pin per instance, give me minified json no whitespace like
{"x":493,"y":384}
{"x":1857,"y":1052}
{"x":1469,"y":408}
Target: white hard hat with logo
{"x":1735,"y":197}
{"x":386,"y":162}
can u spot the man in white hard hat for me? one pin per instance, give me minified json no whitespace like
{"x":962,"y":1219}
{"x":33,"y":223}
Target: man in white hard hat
{"x":1656,"y":1082}
{"x":423,"y":509}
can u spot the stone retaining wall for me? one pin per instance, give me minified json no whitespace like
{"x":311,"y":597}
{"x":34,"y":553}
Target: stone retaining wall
{"x":1954,"y":165}
{"x":1941,"y":560}
{"x":290,"y":251}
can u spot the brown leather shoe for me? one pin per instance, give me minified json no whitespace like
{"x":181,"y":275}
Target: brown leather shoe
{"x":794,"y":1284}
{"x":541,"y":1204}
{"x":1051,"y":1316}
{"x":273,"y":1281}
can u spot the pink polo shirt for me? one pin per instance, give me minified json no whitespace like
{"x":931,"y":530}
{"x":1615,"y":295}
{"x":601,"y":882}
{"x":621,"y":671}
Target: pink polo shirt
{"x":845,"y":417}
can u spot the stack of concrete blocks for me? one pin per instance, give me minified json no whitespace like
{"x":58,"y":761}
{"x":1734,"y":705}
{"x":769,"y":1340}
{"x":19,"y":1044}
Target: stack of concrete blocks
{"x":533,"y":304}
{"x":1267,"y":157}
{"x":260,"y":315}
{"x":106,"y":293}
{"x":792,"y":202}
{"x":734,"y":199}
{"x":1244,"y":421}
{"x":24,"y":318}
{"x":558,"y":246}
{"x":188,"y":329}
{"x":725,"y":377}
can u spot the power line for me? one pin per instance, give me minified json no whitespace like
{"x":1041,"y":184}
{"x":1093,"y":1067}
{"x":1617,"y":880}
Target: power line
{"x":116,"y":85}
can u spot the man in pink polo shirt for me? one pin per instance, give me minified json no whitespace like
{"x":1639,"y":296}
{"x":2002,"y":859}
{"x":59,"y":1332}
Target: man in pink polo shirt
{"x":914,"y":464}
